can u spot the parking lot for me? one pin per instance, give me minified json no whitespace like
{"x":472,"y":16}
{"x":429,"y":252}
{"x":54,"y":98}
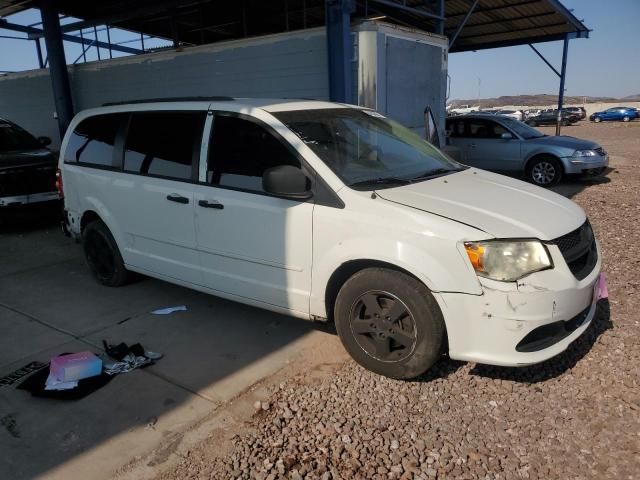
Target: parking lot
{"x":192,"y":414}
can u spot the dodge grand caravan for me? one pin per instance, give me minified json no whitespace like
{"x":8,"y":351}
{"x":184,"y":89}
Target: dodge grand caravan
{"x":331,"y":212}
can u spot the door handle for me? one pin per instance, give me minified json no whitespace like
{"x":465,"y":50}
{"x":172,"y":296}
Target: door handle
{"x":211,"y":204}
{"x":174,"y":197}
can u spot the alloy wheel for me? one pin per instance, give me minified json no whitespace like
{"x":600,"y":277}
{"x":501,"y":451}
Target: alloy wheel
{"x":543,"y":173}
{"x":383,"y":326}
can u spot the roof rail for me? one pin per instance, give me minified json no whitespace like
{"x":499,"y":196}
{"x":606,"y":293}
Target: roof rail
{"x":170,"y":99}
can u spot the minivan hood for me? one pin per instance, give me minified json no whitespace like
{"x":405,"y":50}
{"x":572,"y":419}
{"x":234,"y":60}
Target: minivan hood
{"x":567,"y":142}
{"x":500,"y":206}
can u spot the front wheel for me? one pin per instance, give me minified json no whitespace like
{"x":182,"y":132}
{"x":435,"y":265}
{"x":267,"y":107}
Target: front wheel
{"x":103,"y":256}
{"x":626,"y":118}
{"x":544,"y":171}
{"x":532,"y":123}
{"x":389,"y":323}
{"x":597,"y":119}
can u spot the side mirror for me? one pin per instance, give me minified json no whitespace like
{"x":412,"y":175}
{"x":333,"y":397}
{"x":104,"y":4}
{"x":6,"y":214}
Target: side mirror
{"x":506,"y":136}
{"x":286,"y":181}
{"x":44,"y":141}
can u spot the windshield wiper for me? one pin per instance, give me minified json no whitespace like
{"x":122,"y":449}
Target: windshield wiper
{"x":436,"y":172}
{"x":381,"y":181}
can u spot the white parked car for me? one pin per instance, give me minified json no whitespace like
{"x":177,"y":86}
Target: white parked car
{"x":515,"y":114}
{"x":330,"y":212}
{"x":463,"y":110}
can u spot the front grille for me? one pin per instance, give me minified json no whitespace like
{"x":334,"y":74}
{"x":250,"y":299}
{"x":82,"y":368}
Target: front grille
{"x":26,"y":181}
{"x":579,"y":250}
{"x":600,"y":151}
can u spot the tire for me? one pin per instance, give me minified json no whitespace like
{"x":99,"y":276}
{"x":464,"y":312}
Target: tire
{"x":103,"y":256}
{"x":597,"y":119}
{"x":564,"y":123}
{"x":544,"y":171}
{"x":403,"y":344}
{"x":626,"y":118}
{"x":531,"y":123}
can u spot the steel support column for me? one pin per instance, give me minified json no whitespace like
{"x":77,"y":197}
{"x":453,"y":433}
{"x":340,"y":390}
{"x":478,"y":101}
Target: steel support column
{"x":440,"y":11}
{"x":39,"y":52}
{"x":339,"y":48}
{"x":57,"y":64}
{"x":563,"y":74}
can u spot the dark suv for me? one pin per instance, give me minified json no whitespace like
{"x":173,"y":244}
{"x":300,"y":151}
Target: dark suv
{"x":551,"y":118}
{"x":580,"y":111}
{"x":27,"y":167}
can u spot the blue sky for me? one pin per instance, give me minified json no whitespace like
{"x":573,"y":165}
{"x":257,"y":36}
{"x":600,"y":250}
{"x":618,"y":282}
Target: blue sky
{"x":606,"y":64}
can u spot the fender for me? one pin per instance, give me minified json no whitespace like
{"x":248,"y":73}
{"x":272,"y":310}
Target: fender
{"x":450,"y":269}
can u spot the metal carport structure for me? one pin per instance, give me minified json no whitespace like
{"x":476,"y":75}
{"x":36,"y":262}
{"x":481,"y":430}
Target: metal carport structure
{"x":468,"y":24}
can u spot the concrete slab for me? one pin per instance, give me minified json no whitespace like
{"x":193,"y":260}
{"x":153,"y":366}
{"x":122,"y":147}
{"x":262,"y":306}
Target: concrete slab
{"x":23,"y":337}
{"x":217,"y":348}
{"x":95,"y":436}
{"x":66,"y":296}
{"x":213,"y":352}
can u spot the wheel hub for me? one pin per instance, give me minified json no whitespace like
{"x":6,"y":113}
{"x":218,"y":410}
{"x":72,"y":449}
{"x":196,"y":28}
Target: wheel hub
{"x":383,"y":326}
{"x":543,"y":173}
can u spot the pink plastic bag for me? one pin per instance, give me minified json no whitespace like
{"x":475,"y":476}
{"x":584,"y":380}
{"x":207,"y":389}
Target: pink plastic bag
{"x":601,"y":287}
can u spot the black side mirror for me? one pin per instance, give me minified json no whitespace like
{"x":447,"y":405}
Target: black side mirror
{"x":44,"y":141}
{"x":286,"y":181}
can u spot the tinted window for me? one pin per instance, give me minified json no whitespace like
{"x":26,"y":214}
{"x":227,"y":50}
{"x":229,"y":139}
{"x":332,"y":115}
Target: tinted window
{"x":456,"y":128}
{"x":92,"y":140}
{"x":164,"y":143}
{"x":12,"y":137}
{"x":240,"y":152}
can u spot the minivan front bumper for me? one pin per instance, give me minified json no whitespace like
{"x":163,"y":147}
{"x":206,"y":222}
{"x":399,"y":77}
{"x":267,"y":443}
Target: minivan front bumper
{"x":524,"y":322}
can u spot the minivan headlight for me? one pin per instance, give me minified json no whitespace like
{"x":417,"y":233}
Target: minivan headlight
{"x":508,"y":260}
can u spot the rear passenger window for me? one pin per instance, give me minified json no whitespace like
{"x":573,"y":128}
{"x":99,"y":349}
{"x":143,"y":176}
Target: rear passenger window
{"x":164,"y":144}
{"x":92,"y":140}
{"x":241,"y":150}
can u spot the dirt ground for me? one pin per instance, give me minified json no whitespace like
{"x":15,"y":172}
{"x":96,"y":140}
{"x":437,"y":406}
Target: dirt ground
{"x":576,"y":416}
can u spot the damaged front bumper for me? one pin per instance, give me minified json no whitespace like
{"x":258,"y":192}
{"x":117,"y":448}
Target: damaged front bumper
{"x":524,"y":322}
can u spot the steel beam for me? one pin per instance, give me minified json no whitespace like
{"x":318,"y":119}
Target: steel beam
{"x":440,"y":11}
{"x":67,"y":38}
{"x":39,"y":52}
{"x":563,"y":74}
{"x":463,"y":23}
{"x":544,"y":60}
{"x":57,"y":65}
{"x":415,"y":11}
{"x":339,"y":48}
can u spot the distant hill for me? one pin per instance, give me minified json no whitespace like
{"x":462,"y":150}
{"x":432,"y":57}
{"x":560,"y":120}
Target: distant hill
{"x":632,"y":98}
{"x":537,"y":100}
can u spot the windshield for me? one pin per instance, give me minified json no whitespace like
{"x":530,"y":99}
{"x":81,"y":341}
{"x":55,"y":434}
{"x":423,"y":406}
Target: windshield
{"x":12,"y":137}
{"x":522,"y":129}
{"x":364,"y":148}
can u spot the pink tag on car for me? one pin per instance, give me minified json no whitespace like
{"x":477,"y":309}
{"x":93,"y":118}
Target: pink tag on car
{"x":601,"y":287}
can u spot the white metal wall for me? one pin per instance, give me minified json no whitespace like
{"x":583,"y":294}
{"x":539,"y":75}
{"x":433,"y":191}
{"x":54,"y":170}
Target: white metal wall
{"x":290,"y":65}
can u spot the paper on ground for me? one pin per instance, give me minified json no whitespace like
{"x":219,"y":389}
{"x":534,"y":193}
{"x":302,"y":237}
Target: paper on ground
{"x":53,"y":383}
{"x":168,"y":310}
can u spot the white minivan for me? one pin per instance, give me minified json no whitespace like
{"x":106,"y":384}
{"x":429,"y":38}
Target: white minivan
{"x":331,"y":212}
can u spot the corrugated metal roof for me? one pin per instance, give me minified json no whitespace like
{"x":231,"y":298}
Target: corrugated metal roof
{"x":493,"y":23}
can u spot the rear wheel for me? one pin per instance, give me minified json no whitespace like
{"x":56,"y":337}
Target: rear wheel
{"x":544,"y":171}
{"x":597,"y":119}
{"x":626,"y":118}
{"x":103,"y":256}
{"x":389,"y":323}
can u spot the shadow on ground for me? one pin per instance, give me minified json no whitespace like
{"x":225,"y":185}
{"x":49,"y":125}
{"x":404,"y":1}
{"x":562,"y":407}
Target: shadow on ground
{"x":49,"y":304}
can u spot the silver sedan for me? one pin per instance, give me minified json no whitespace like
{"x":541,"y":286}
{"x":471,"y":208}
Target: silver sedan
{"x":505,"y":145}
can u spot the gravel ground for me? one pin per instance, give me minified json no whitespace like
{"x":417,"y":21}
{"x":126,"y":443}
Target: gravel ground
{"x":575,"y":416}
